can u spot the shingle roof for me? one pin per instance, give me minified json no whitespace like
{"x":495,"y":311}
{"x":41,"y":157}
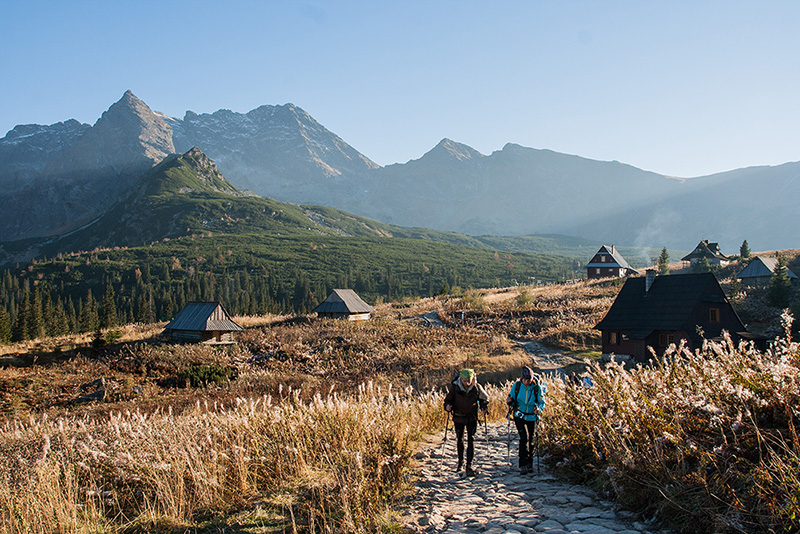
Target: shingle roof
{"x":617,"y":258}
{"x":667,"y":306}
{"x":204,"y":317}
{"x":707,"y":250}
{"x":762,"y":266}
{"x":343,"y":301}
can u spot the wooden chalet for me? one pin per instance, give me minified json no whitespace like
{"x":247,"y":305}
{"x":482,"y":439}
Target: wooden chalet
{"x":710,"y":251}
{"x":608,"y":262}
{"x":759,"y":272}
{"x":657,"y":311}
{"x":207,"y":322}
{"x":344,"y":304}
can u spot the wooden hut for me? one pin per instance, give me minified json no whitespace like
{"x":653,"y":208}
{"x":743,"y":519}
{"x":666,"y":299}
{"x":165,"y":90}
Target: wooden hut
{"x":344,"y":304}
{"x":206,"y":322}
{"x":759,"y":272}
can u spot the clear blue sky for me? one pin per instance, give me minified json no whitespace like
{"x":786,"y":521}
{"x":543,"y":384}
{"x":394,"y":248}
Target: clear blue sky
{"x":684,"y":88}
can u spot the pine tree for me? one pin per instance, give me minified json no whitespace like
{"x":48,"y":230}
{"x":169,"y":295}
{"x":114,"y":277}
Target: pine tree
{"x":108,"y":309}
{"x":20,"y":330}
{"x":780,"y":286}
{"x":744,"y":250}
{"x":35,"y":323}
{"x":5,"y":326}
{"x":88,"y":320}
{"x":663,"y":262}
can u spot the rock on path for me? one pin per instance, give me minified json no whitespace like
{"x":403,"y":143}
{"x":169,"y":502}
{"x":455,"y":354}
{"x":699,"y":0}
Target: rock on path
{"x":499,"y":500}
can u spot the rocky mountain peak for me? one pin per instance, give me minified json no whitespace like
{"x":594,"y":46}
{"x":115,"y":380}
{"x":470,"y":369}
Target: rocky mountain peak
{"x":127,"y":138}
{"x":448,"y":150}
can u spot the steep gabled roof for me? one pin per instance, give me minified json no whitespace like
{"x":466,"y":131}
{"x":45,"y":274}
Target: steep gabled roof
{"x":343,"y":301}
{"x":707,"y":250}
{"x":203,"y":317}
{"x":615,"y":255}
{"x":668,"y":305}
{"x":762,"y":266}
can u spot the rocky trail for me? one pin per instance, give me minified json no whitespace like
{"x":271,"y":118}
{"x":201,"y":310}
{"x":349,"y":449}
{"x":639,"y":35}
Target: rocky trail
{"x":500,"y":500}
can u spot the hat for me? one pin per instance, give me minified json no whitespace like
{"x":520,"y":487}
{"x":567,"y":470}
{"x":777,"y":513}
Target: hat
{"x":467,"y":374}
{"x":527,"y":372}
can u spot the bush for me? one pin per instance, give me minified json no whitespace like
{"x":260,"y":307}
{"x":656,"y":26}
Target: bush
{"x":203,"y":375}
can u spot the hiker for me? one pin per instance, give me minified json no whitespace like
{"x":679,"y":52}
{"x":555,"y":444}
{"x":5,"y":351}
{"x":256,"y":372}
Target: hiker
{"x":525,"y":403}
{"x":463,"y":400}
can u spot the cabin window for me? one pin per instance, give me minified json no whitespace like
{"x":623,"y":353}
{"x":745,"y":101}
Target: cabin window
{"x":665,"y":340}
{"x":713,"y":315}
{"x":602,"y":259}
{"x":597,"y":271}
{"x":612,"y":338}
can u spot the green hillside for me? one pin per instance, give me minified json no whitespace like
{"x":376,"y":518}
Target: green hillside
{"x":186,"y":234}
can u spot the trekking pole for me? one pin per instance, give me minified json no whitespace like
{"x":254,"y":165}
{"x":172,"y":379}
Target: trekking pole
{"x":536,"y":443}
{"x":508,"y":436}
{"x":486,"y":433}
{"x":446,"y":425}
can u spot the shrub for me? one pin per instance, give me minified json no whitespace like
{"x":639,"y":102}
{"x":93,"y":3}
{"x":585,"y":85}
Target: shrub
{"x":203,"y":375}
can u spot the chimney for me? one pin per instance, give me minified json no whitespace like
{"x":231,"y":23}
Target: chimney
{"x":649,"y":278}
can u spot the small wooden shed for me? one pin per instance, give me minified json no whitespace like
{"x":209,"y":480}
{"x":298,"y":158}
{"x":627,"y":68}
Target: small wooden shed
{"x":206,"y":322}
{"x":759,"y":272}
{"x":344,"y":304}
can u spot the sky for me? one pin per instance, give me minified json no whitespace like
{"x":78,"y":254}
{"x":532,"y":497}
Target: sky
{"x":682,"y":88}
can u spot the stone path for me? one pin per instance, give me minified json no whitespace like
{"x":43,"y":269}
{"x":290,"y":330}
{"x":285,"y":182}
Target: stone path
{"x":499,"y":500}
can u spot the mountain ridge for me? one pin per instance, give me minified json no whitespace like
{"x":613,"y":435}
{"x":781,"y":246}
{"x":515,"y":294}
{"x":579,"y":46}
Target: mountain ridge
{"x":283,"y":153}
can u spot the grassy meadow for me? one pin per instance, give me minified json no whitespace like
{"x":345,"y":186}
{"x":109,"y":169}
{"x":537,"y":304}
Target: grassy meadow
{"x":313,"y":425}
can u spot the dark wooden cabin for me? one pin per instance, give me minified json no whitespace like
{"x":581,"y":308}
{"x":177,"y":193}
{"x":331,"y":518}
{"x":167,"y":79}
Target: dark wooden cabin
{"x":608,"y":262}
{"x":657,"y":311}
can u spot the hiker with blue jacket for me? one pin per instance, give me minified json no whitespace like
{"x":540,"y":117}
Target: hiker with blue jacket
{"x":526,"y":402}
{"x":463,"y":400}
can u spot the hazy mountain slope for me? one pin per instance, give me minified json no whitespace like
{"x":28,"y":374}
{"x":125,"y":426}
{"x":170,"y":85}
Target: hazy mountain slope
{"x":276,"y":151}
{"x":759,"y":204}
{"x":513,"y":191}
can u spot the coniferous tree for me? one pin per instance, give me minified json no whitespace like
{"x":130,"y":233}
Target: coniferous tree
{"x":60,"y":322}
{"x":663,"y":262}
{"x":5,"y":326}
{"x":35,"y":317}
{"x":88,"y":321}
{"x":744,"y":250}
{"x":701,"y":266}
{"x":780,"y":286}
{"x":20,"y":330}
{"x":108,"y":309}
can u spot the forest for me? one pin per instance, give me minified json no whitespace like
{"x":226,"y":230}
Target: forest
{"x":249,"y":274}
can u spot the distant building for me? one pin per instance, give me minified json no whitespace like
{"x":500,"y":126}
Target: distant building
{"x":759,"y":271}
{"x":608,"y":262}
{"x":657,"y":311}
{"x":207,"y":322}
{"x":344,"y":304}
{"x":710,"y":251}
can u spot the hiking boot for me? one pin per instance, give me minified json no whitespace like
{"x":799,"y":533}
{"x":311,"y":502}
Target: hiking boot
{"x":471,"y":472}
{"x":523,"y":469}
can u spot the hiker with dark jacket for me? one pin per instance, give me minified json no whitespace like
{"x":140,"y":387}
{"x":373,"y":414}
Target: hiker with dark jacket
{"x":464,"y":398}
{"x":525,"y":403}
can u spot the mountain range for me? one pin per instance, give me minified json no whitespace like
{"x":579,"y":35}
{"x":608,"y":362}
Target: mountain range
{"x":57,"y":179}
